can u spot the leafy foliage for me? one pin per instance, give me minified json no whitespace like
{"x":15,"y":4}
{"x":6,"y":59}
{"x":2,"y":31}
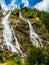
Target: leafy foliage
{"x":40,"y":18}
{"x":38,"y":56}
{"x":15,"y":12}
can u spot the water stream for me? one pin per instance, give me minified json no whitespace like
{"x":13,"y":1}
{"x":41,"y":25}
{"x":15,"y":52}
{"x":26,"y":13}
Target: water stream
{"x":7,"y":34}
{"x":17,"y":46}
{"x":33,"y":36}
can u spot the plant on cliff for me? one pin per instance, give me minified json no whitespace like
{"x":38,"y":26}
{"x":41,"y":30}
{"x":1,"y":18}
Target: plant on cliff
{"x":38,"y":57}
{"x":14,"y":61}
{"x":15,"y":12}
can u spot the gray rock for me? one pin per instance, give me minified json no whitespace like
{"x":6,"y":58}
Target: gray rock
{"x":0,"y":48}
{"x":5,"y":48}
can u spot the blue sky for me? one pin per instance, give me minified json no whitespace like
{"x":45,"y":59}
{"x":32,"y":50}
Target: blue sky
{"x":39,"y":4}
{"x":7,"y":1}
{"x":31,"y":2}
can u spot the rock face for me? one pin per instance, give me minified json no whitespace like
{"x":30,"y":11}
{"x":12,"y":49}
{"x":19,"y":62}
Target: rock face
{"x":39,"y":29}
{"x":3,"y":46}
{"x":22,"y":32}
{"x":1,"y":36}
{"x":0,"y":6}
{"x":21,"y":29}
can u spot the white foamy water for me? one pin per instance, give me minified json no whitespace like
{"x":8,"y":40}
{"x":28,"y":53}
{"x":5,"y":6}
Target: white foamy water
{"x":33,"y":36}
{"x":7,"y":34}
{"x":17,"y":46}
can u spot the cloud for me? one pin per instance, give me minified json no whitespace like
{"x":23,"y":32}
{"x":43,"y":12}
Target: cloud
{"x":3,"y":5}
{"x":43,"y":5}
{"x":13,"y":4}
{"x":26,"y":3}
{"x":10,"y":6}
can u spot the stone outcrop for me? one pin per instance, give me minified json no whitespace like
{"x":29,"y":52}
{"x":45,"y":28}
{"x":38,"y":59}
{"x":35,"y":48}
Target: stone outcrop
{"x":0,"y":6}
{"x":1,"y":36}
{"x":21,"y":29}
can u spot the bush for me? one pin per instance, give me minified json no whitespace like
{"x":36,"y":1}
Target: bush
{"x":38,"y":57}
{"x":14,"y":61}
{"x":15,"y":12}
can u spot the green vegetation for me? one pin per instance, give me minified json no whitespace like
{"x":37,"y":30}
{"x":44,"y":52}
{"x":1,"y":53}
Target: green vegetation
{"x":10,"y":60}
{"x":14,"y":61}
{"x":40,"y":22}
{"x":38,"y":56}
{"x":0,"y":14}
{"x":15,"y":12}
{"x":40,"y":18}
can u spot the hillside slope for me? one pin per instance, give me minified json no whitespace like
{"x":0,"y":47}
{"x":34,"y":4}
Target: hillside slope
{"x":34,"y":55}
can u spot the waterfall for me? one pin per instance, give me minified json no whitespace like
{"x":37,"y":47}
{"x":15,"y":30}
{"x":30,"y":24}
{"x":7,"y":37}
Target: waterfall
{"x":7,"y":34}
{"x":33,"y":36}
{"x":17,"y":46}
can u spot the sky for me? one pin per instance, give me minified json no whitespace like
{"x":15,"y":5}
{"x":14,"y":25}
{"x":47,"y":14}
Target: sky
{"x":38,"y":4}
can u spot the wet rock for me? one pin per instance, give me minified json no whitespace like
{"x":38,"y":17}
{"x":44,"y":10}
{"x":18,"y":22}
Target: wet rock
{"x":0,"y":40}
{"x":1,"y":27}
{"x":0,"y":49}
{"x":27,"y":27}
{"x":14,"y":43}
{"x":44,"y":38}
{"x":5,"y":48}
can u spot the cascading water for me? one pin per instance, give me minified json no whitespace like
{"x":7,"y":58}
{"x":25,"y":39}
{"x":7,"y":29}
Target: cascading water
{"x":17,"y":46}
{"x":33,"y":36}
{"x":7,"y":34}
